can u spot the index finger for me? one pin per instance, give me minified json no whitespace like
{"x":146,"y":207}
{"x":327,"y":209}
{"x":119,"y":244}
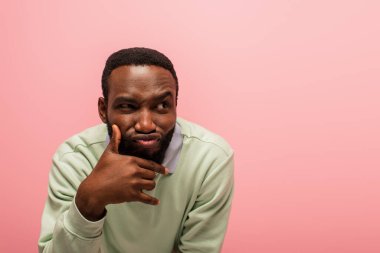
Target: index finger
{"x":153,"y":166}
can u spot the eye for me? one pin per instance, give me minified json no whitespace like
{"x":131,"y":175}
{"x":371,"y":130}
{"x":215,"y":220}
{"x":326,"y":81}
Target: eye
{"x":162,"y":106}
{"x":127,"y":106}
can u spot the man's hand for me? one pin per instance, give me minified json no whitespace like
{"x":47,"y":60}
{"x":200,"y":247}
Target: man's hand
{"x":115,"y":179}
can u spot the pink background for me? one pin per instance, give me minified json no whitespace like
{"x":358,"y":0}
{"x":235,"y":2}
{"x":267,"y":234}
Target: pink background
{"x":293,"y":85}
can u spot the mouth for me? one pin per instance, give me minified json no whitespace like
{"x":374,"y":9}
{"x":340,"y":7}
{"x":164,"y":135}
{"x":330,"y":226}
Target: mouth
{"x":147,"y":141}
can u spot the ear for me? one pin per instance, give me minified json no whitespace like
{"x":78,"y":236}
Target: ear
{"x":102,"y":109}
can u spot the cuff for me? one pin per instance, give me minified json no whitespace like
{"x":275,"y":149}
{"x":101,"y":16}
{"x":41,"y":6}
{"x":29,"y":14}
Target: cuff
{"x":80,"y":226}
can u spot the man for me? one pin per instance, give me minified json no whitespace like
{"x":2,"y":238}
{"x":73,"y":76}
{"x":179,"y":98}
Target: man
{"x":145,"y":181}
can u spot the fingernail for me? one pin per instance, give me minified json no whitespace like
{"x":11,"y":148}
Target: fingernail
{"x":167,"y":171}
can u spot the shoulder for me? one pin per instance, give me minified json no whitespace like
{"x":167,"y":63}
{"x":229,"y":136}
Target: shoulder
{"x":74,"y":160}
{"x":207,"y":160}
{"x":90,"y":140}
{"x":204,"y":139}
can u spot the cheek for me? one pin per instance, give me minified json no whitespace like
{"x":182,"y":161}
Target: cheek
{"x":123,"y":121}
{"x":166,"y":122}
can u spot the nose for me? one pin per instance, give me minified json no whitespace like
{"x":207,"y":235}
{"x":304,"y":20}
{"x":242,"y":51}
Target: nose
{"x":144,"y":123}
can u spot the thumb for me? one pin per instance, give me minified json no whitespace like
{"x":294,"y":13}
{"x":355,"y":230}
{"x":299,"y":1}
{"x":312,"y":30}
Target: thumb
{"x":113,"y":146}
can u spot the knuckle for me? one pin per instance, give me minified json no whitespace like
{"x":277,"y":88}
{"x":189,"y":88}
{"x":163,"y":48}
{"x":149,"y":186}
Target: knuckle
{"x":151,"y":174}
{"x":152,"y":165}
{"x":138,"y":172}
{"x":133,"y":183}
{"x":151,"y":186}
{"x":130,"y":159}
{"x":134,"y":171}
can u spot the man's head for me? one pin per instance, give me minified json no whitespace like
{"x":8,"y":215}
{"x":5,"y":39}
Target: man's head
{"x":140,"y":95}
{"x":138,"y":56}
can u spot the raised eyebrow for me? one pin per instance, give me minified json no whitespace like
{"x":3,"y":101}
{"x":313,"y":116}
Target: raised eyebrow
{"x":163,"y":96}
{"x":125,"y":100}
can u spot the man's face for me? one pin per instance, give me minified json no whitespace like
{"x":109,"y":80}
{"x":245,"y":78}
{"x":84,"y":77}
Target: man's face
{"x":142,"y":103}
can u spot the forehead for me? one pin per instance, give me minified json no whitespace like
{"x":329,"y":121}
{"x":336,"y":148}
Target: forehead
{"x":140,"y":80}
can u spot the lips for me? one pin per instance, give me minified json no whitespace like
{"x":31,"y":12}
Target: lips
{"x":147,"y":141}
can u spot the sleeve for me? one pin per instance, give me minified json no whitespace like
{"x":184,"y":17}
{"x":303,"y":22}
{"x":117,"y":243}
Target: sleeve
{"x":63,"y":228}
{"x":206,"y":223}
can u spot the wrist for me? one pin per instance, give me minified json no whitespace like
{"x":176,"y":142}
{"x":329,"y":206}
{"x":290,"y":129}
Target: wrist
{"x":88,"y":205}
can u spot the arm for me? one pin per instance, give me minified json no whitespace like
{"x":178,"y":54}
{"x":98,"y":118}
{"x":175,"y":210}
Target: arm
{"x":63,"y":228}
{"x":206,"y":223}
{"x":76,"y":226}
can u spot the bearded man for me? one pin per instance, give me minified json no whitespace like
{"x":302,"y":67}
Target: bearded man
{"x":145,"y":180}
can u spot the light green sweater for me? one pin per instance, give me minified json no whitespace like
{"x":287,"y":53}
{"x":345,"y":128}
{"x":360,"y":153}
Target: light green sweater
{"x":194,"y":201}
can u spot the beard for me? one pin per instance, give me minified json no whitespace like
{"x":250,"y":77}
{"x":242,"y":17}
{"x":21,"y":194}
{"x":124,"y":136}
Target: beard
{"x":127,"y":147}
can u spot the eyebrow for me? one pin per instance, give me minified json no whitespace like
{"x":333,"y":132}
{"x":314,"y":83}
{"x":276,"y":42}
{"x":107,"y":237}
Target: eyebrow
{"x":125,"y":99}
{"x":132,"y":100}
{"x":163,"y":96}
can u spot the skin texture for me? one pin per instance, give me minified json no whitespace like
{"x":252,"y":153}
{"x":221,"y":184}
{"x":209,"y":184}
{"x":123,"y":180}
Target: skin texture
{"x":141,"y":109}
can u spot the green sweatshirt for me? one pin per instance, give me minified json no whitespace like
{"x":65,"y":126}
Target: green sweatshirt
{"x":194,"y":201}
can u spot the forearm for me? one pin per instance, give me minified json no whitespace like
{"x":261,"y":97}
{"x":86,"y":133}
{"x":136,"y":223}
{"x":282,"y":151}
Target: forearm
{"x":73,"y":233}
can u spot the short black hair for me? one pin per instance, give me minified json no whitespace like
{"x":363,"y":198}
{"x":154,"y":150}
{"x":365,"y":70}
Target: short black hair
{"x":136,"y":56}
